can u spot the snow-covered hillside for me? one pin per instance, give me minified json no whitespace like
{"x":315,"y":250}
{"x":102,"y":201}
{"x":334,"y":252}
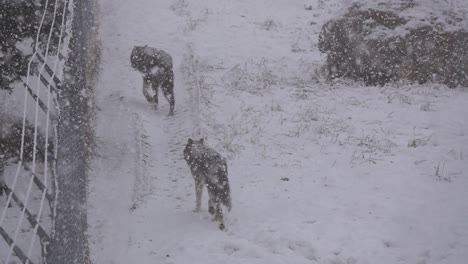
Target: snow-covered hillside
{"x":319,"y":173}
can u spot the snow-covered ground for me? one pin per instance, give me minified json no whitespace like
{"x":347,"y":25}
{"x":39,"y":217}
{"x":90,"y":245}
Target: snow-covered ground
{"x":319,"y":173}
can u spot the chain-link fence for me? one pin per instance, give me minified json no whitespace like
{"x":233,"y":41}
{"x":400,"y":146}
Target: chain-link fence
{"x":76,"y":139}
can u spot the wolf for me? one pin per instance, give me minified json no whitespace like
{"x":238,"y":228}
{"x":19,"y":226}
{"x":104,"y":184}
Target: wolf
{"x":209,"y":168}
{"x":156,"y":67}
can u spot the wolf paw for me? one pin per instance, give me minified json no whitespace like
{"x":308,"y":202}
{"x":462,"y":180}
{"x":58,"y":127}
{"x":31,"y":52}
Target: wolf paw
{"x":222,"y":227}
{"x":134,"y":206}
{"x":211,"y":209}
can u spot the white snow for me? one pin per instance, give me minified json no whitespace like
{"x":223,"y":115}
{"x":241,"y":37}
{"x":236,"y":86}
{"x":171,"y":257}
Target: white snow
{"x":319,"y":173}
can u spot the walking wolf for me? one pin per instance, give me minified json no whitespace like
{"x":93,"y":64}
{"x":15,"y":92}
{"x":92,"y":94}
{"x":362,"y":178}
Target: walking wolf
{"x":209,"y":168}
{"x":156,"y":66}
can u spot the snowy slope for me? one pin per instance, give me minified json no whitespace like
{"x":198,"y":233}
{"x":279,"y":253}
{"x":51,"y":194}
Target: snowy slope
{"x":319,"y":173}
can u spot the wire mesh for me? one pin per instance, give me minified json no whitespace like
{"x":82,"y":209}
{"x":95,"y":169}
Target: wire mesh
{"x":75,"y":140}
{"x":66,"y":109}
{"x":28,"y":184}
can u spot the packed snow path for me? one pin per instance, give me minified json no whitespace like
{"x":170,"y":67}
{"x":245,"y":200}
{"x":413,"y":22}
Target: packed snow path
{"x":137,"y":145}
{"x":346,"y":174}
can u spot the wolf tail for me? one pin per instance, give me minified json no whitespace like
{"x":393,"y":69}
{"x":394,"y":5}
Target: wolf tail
{"x":226,"y":190}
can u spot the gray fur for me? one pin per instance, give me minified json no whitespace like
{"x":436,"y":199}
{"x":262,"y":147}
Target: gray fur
{"x":156,"y":67}
{"x":209,"y":168}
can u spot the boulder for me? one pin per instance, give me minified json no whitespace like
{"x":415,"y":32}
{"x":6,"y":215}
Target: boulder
{"x":378,"y":46}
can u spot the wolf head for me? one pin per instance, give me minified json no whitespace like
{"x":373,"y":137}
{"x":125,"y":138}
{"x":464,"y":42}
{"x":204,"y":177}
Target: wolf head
{"x":192,"y":148}
{"x":145,"y":58}
{"x":137,"y":59}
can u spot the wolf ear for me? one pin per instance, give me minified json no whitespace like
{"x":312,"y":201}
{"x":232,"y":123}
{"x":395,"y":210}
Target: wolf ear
{"x":190,"y":141}
{"x":202,"y":140}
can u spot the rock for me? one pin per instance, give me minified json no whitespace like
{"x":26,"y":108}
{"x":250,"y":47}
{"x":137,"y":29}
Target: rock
{"x":378,"y":46}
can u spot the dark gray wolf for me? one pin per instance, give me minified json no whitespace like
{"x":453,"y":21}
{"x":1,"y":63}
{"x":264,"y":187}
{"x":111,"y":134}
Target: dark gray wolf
{"x":156,"y":66}
{"x":209,"y":168}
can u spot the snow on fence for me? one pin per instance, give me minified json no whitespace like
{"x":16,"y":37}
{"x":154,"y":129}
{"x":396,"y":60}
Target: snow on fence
{"x":75,"y":139}
{"x":36,"y":159}
{"x":57,"y":177}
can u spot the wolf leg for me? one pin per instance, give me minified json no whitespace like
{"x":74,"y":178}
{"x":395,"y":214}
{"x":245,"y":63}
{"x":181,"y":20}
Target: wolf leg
{"x":146,"y":86}
{"x":219,"y":216}
{"x":211,"y":206}
{"x":170,"y":98}
{"x":168,"y":90}
{"x":198,"y":192}
{"x":217,"y":209}
{"x":155,"y":86}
